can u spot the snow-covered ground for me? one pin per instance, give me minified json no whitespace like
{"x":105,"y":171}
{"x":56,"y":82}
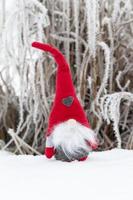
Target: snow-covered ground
{"x":104,"y":176}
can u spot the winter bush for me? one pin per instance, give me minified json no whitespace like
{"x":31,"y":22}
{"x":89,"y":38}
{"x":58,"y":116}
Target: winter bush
{"x":96,"y":38}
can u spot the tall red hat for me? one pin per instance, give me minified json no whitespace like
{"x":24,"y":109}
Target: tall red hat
{"x":66,"y":104}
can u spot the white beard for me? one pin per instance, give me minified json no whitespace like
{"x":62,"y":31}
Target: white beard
{"x":72,"y":139}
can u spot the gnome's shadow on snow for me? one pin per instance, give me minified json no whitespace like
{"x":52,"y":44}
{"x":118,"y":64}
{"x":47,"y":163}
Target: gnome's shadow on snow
{"x":60,"y":155}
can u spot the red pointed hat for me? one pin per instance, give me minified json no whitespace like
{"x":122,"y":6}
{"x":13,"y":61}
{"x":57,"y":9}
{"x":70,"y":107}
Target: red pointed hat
{"x":66,"y":104}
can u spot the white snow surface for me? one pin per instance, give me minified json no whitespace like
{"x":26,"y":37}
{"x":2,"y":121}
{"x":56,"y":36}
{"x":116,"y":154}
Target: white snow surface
{"x":105,"y":175}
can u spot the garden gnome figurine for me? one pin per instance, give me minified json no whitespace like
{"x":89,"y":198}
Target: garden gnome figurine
{"x":68,"y":131}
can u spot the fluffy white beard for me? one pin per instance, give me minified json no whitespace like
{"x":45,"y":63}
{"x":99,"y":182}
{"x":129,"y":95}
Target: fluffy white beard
{"x":71,"y":139}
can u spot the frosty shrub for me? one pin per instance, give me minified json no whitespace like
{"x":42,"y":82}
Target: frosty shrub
{"x":96,"y":38}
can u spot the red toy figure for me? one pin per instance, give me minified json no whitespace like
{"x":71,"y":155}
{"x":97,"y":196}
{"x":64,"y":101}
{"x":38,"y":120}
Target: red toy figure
{"x":68,"y":131}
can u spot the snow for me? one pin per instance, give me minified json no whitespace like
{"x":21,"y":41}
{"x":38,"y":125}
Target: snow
{"x":105,"y":175}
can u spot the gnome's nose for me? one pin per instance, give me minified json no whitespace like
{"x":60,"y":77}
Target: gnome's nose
{"x":71,"y":122}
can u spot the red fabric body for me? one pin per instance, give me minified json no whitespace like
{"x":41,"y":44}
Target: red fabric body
{"x":64,"y":89}
{"x":49,"y":152}
{"x":83,"y":159}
